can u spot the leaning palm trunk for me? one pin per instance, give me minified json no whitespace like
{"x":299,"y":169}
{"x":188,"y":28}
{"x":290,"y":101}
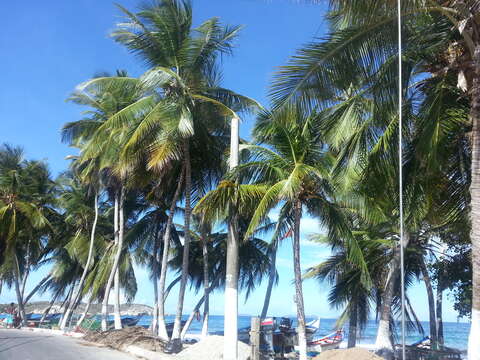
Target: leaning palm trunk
{"x":47,"y":310}
{"x":85,"y":312}
{"x":85,"y":269}
{"x":170,"y":287}
{"x":302,"y":337}
{"x":473,"y":343}
{"x":197,"y":306}
{"x":35,"y":289}
{"x":230,"y":344}
{"x":67,"y":302}
{"x":431,"y":304}
{"x":111,"y":277}
{"x":383,"y":343}
{"x":352,"y":325}
{"x":271,"y":279}
{"x":162,"y":328}
{"x":177,"y":327}
{"x":206,"y":286}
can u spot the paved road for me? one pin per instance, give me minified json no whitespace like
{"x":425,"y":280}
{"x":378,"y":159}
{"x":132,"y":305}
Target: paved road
{"x":26,"y":345}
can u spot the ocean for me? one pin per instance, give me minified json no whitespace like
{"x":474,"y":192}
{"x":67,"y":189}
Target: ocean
{"x":455,"y":333}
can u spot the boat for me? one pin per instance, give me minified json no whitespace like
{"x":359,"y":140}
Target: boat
{"x":328,"y":342}
{"x":312,"y":327}
{"x":131,"y":320}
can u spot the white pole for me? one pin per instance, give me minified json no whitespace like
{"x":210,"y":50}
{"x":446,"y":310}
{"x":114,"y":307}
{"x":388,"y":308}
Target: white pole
{"x":400,"y":170}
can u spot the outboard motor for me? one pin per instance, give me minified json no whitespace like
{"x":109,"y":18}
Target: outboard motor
{"x":267,"y":327}
{"x":285,"y":324}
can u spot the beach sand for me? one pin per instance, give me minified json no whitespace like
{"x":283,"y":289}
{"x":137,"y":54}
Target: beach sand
{"x":356,"y":353}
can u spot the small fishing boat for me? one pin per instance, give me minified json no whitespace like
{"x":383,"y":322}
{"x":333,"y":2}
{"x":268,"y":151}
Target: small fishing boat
{"x":329,"y":342}
{"x":312,"y":327}
{"x":130,"y":320}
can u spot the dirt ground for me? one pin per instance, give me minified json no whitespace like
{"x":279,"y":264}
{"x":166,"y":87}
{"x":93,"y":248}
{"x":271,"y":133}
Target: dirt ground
{"x":136,"y":335}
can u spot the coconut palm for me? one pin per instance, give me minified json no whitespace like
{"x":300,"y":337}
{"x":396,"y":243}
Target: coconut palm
{"x":26,"y":203}
{"x":181,"y":83}
{"x":100,"y":153}
{"x":363,"y":43}
{"x":292,"y":168}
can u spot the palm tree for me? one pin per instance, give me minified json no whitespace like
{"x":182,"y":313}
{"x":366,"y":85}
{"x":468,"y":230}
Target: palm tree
{"x":25,"y":205}
{"x":292,"y":168}
{"x":100,"y":152}
{"x":181,"y":85}
{"x":348,"y":291}
{"x":362,"y":43}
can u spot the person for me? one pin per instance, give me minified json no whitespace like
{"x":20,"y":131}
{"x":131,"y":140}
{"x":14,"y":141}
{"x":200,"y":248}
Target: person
{"x":11,"y":314}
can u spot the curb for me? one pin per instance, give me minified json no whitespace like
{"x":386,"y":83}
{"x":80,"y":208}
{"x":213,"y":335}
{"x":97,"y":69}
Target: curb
{"x":53,"y":332}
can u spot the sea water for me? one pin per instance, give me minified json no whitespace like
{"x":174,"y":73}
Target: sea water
{"x":455,"y":333}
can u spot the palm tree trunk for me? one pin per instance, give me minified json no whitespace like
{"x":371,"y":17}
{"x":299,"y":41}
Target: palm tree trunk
{"x":431,"y":304}
{"x":162,"y":328}
{"x":113,"y":270}
{"x":383,"y":343}
{"x":439,"y":321}
{"x":47,"y":310}
{"x":36,"y":288}
{"x":302,"y":335}
{"x":170,"y":287}
{"x":271,"y":279}
{"x":206,"y":285}
{"x":67,"y":301}
{"x":21,"y":308}
{"x":473,"y":343}
{"x":156,"y":259}
{"x":352,"y":326}
{"x":121,"y":229}
{"x":177,"y":327}
{"x":197,"y":306}
{"x":230,"y":344}
{"x":85,"y":312}
{"x":86,"y":268}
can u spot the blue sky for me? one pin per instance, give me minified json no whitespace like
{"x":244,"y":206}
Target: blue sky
{"x":49,"y":47}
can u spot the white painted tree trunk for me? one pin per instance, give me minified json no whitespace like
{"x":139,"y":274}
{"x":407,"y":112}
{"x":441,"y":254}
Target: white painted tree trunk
{"x":301,"y":330}
{"x":112,"y":271}
{"x":85,"y":312}
{"x":116,"y":302}
{"x":162,"y":328}
{"x":85,"y":269}
{"x":383,"y":343}
{"x":47,"y":310}
{"x":230,"y":345}
{"x":206,"y":285}
{"x":431,"y":304}
{"x":197,"y":306}
{"x":474,"y":337}
{"x":156,"y":259}
{"x":18,"y":292}
{"x":177,"y":326}
{"x":121,"y":229}
{"x":67,"y":302}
